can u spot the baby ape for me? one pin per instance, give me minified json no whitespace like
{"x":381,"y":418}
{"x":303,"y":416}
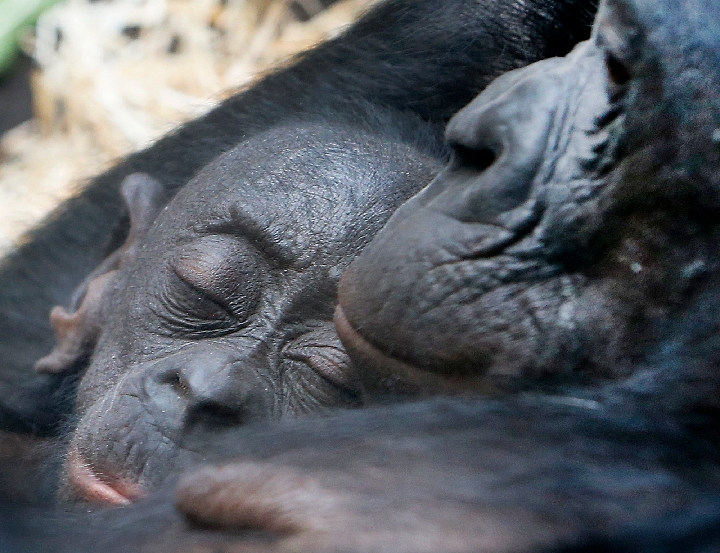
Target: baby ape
{"x":520,"y":472}
{"x":220,"y":312}
{"x":223,"y":316}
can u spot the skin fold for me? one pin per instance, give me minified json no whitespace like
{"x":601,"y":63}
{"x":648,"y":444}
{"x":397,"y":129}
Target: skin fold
{"x":623,"y":464}
{"x":214,"y":305}
{"x":564,"y":232}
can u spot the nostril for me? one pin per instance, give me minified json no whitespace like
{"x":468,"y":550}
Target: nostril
{"x":176,"y":382}
{"x":618,"y":72}
{"x":474,"y":158}
{"x":214,"y":414}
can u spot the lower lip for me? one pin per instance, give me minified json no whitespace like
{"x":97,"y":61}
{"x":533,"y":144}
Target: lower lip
{"x":383,"y":374}
{"x":87,"y":486}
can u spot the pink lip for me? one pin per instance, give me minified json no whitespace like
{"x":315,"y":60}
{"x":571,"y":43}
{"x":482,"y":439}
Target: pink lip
{"x":88,"y":486}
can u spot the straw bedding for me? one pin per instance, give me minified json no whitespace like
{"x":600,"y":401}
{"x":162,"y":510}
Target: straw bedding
{"x":115,"y":75}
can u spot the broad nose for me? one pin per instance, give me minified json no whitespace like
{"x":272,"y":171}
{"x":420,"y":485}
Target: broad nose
{"x":499,"y":142}
{"x":207,"y":386}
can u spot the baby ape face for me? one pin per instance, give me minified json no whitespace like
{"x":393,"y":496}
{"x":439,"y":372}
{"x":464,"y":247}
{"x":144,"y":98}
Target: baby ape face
{"x":222,"y":314}
{"x":579,"y":213}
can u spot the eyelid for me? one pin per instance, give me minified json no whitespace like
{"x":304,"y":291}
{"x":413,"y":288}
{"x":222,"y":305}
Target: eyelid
{"x":221,"y":266}
{"x":206,"y":292}
{"x":178,"y":320}
{"x":220,"y":269}
{"x":202,"y":263}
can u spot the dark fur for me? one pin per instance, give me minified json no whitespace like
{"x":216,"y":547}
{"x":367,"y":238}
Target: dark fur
{"x":427,"y":57}
{"x":634,"y":463}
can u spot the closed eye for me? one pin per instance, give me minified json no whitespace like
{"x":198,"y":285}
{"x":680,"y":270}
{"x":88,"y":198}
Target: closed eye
{"x":194,"y":313}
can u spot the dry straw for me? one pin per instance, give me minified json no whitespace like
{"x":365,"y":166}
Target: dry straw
{"x":115,"y":75}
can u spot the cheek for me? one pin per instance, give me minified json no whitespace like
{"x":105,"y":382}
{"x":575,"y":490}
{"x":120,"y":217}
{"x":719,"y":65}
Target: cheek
{"x":102,"y":374}
{"x":120,"y":351}
{"x":118,"y":445}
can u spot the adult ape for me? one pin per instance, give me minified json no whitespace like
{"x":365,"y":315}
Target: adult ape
{"x":615,"y":166}
{"x":519,"y":473}
{"x":579,"y":214}
{"x":382,"y":92}
{"x":634,"y":466}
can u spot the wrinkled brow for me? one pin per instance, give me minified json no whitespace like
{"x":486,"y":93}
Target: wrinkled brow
{"x":240,"y":223}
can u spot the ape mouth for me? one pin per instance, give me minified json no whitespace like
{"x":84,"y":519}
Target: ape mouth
{"x":382,"y":371}
{"x":87,"y":484}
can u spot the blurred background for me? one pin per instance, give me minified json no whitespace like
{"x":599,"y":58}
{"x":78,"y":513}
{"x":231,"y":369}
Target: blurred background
{"x":85,"y":82}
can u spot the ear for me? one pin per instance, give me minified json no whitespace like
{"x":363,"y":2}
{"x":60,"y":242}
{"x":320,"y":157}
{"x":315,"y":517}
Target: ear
{"x":77,"y":330}
{"x":76,"y":333}
{"x":144,"y":198}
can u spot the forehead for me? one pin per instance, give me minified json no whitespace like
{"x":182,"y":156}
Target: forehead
{"x":292,"y":187}
{"x":280,"y":176}
{"x":312,"y":192}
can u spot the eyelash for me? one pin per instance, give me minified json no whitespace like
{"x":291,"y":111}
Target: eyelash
{"x":183,"y":317}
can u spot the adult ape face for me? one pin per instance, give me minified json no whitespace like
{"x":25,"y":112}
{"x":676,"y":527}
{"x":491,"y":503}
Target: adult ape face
{"x":241,"y":270}
{"x":579,"y":214}
{"x":417,"y":61}
{"x":221,"y":314}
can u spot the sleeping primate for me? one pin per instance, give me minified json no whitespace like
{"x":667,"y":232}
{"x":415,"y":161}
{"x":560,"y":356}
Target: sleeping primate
{"x":628,"y":464}
{"x":197,"y":291}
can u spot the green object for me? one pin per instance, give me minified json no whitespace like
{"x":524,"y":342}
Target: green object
{"x":15,"y":16}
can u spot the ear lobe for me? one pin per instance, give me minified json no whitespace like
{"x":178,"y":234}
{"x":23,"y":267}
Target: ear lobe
{"x":77,"y":330}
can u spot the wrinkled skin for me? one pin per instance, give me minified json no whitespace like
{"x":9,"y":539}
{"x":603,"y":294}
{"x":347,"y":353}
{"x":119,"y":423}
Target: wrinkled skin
{"x":223,"y":315}
{"x":632,"y":463}
{"x":418,"y":59}
{"x":578,"y":215}
{"x":397,"y":75}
